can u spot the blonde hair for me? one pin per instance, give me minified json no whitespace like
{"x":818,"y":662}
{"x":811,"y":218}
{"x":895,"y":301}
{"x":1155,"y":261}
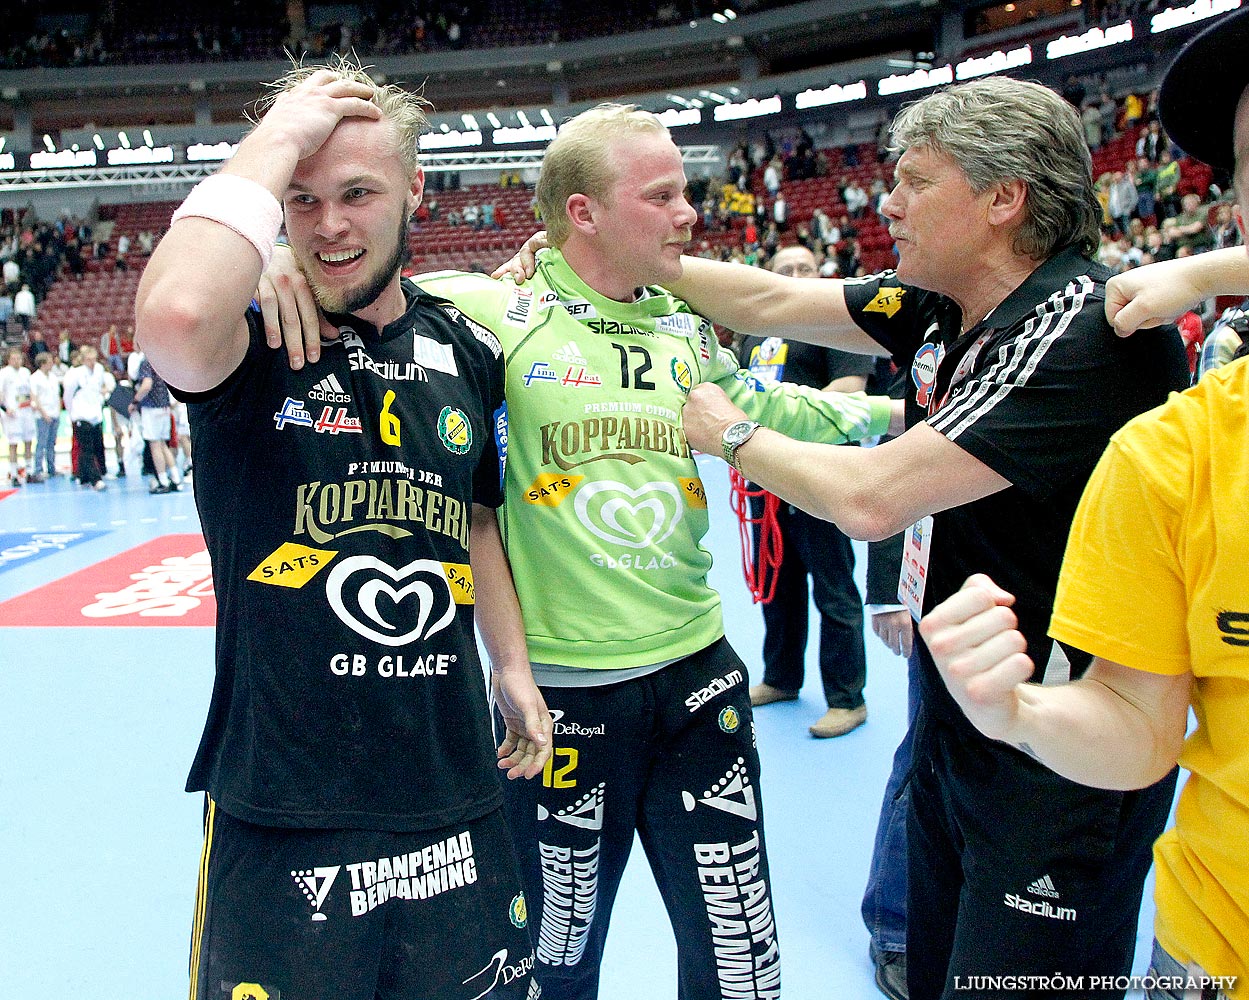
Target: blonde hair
{"x":576,"y":161}
{"x":405,"y":110}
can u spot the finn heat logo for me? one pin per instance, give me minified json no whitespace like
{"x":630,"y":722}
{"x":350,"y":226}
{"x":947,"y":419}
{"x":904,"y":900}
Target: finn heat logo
{"x":634,"y":518}
{"x":391,"y":606}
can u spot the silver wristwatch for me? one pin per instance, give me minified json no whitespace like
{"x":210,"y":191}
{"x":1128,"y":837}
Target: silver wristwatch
{"x":736,"y":435}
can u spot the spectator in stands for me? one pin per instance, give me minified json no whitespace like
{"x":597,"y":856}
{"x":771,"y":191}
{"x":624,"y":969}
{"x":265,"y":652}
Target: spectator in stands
{"x":1152,"y":143}
{"x":6,"y":307}
{"x":1144,"y":176}
{"x":1073,"y":92}
{"x":454,"y":218}
{"x":771,"y":239}
{"x":750,"y":235}
{"x":1109,"y":110}
{"x":1133,"y":111}
{"x":488,"y":220}
{"x":739,"y":168}
{"x":111,"y":347}
{"x":879,"y":194}
{"x":1091,"y":119}
{"x":1192,"y":225}
{"x":822,"y":226}
{"x":1166,"y":186}
{"x":64,"y":348}
{"x":855,"y":198}
{"x":848,"y":261}
{"x":73,"y":256}
{"x":24,"y":306}
{"x":12,"y":275}
{"x":146,"y":241}
{"x":772,"y":175}
{"x":123,"y":245}
{"x":1224,"y":232}
{"x":1123,"y":200}
{"x":780,"y":211}
{"x":472,"y":215}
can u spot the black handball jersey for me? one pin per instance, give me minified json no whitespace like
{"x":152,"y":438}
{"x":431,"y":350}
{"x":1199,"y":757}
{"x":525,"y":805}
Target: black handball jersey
{"x":336,"y":503}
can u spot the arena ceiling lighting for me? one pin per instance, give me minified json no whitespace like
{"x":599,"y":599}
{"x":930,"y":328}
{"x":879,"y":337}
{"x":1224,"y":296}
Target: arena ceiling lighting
{"x":451,"y":139}
{"x":1178,"y":17}
{"x":998,"y":62}
{"x":752,"y":108}
{"x":201,"y":152}
{"x":902,"y":83}
{"x":1094,"y":38}
{"x":834,"y":93}
{"x":676,"y":117}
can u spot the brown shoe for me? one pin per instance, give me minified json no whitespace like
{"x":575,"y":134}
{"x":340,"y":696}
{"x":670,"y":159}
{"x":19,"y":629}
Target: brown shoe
{"x":766,"y":694}
{"x":838,"y":722}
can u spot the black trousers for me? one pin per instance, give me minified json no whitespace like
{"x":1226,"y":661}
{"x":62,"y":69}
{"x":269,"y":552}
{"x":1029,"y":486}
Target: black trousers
{"x":1013,"y":870}
{"x":670,"y":756}
{"x":816,"y":549}
{"x":90,"y":451}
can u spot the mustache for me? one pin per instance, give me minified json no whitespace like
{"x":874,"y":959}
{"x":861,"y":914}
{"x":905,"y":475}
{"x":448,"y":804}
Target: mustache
{"x":898,"y":233}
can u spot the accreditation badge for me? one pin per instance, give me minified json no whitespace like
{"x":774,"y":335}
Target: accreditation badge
{"x":914,"y":575}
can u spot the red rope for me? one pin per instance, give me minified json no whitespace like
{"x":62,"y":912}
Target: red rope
{"x":761,"y":578}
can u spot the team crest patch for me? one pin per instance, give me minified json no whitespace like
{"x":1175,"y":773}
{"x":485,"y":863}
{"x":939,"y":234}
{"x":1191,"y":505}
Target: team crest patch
{"x":518,"y":911}
{"x":682,"y":375}
{"x":454,"y":430}
{"x":887,"y":301}
{"x":730,"y":721}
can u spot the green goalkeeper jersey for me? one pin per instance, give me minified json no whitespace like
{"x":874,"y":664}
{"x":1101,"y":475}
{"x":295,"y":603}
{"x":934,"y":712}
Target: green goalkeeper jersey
{"x":604,"y":511}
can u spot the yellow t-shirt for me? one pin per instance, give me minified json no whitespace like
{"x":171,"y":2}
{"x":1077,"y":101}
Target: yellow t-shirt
{"x":1156,"y":577}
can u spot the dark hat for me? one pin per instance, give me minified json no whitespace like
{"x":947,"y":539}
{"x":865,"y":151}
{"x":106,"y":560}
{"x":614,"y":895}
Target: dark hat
{"x":1200,"y":91}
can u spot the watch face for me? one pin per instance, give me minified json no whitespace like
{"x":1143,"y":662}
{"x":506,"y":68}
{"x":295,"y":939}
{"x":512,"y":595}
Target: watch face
{"x":736,"y":433}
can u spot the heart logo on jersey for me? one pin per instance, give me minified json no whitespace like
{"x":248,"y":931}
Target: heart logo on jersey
{"x":391,"y":606}
{"x":634,"y":518}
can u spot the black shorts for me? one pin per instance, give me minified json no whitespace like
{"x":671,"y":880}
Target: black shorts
{"x":294,"y":914}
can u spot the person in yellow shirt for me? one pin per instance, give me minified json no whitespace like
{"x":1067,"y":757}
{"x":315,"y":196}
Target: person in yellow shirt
{"x":1154,"y":584}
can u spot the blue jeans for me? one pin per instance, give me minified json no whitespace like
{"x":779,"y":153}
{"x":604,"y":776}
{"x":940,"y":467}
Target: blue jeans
{"x":45,"y":445}
{"x":884,"y":901}
{"x":1161,"y":964}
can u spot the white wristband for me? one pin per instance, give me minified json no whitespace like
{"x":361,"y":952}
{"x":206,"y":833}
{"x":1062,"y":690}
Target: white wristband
{"x":239,"y":204}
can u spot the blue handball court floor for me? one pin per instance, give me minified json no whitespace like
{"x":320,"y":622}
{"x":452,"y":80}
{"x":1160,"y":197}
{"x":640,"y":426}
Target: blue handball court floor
{"x":106,"y":652}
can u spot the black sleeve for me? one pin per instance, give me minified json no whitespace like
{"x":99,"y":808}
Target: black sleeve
{"x":884,"y":564}
{"x":894,"y":315}
{"x":488,"y":476}
{"x":1041,"y":406}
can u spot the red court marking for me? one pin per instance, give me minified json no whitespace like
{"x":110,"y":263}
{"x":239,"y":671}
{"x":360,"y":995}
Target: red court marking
{"x":6,"y":493}
{"x":167,"y":581}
